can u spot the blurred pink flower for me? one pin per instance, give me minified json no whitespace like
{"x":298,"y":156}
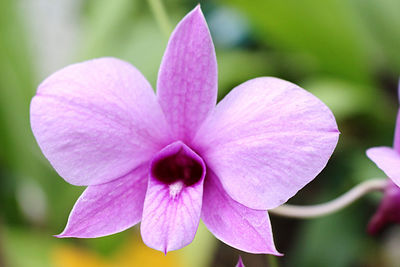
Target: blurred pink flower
{"x":169,"y":159}
{"x":388,"y":160}
{"x":388,"y":211}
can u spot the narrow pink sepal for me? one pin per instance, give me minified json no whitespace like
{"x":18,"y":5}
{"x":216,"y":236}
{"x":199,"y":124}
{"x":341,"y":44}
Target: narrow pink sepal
{"x":234,"y":224}
{"x":187,"y":79}
{"x":108,"y":208}
{"x":171,"y":212}
{"x":266,"y":140}
{"x":388,"y":160}
{"x":240,"y":263}
{"x":97,"y":120}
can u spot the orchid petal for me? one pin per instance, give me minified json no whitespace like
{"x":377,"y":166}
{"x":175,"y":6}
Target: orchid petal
{"x":96,"y":121}
{"x":170,"y":221}
{"x":171,"y":212}
{"x":187,"y":80}
{"x":234,"y":224}
{"x":108,"y":208}
{"x":388,"y":160}
{"x":266,"y":140}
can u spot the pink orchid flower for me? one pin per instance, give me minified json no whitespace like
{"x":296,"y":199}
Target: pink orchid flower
{"x":388,"y":160}
{"x":171,"y":159}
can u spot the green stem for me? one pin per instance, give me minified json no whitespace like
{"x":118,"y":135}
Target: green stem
{"x":160,"y":14}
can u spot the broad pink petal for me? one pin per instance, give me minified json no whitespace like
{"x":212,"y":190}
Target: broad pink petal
{"x":388,"y":211}
{"x":96,"y":121}
{"x":388,"y":160}
{"x":240,"y":262}
{"x":108,"y":208}
{"x":171,"y":211}
{"x":187,"y":80}
{"x":234,"y":224}
{"x":266,"y":140}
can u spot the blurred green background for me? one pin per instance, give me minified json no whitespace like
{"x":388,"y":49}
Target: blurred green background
{"x":347,"y":52}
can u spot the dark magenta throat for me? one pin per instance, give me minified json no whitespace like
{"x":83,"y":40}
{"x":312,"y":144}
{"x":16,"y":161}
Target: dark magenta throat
{"x":177,"y":162}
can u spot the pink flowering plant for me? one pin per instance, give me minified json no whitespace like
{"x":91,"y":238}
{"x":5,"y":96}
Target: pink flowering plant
{"x":172,"y":158}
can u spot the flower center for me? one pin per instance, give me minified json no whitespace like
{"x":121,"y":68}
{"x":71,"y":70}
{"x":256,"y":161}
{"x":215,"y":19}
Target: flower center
{"x":178,"y":165}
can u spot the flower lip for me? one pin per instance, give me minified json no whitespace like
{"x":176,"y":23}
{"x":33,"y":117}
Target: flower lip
{"x":177,"y":162}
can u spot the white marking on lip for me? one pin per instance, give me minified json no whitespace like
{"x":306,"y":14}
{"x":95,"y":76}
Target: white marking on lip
{"x":175,"y":189}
